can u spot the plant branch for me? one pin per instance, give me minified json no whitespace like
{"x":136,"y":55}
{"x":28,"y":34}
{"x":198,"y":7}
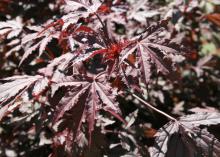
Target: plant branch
{"x":104,"y":28}
{"x":152,"y":107}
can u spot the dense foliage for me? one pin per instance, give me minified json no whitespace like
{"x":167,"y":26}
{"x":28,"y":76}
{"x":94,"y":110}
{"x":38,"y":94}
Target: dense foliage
{"x":109,"y":78}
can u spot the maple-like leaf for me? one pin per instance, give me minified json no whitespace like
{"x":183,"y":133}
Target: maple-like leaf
{"x":85,"y":97}
{"x":74,"y":11}
{"x":11,"y":28}
{"x":41,"y":37}
{"x":12,"y":31}
{"x":162,"y":137}
{"x":153,"y":48}
{"x":140,"y":11}
{"x":190,"y":140}
{"x":203,"y":118}
{"x":56,"y":68}
{"x":15,"y":87}
{"x":205,"y":140}
{"x":199,"y":142}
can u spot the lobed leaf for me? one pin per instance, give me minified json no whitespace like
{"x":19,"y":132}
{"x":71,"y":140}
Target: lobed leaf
{"x":183,"y":138}
{"x":15,"y":87}
{"x":92,"y":94}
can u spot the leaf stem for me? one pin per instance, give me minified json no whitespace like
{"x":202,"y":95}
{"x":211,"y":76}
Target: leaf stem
{"x":152,"y":107}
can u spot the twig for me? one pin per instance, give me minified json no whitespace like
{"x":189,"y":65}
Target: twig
{"x":152,"y":107}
